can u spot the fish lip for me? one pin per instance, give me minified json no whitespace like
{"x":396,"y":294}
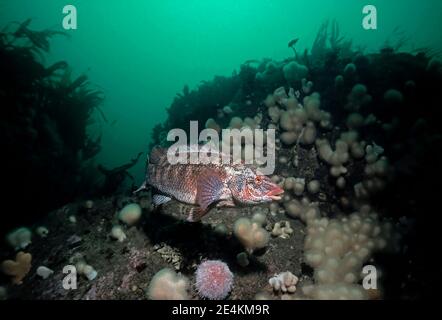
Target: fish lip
{"x":276,"y":193}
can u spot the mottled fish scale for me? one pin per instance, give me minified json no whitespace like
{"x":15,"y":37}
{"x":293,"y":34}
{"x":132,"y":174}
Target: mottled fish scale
{"x":206,"y":184}
{"x":181,"y":180}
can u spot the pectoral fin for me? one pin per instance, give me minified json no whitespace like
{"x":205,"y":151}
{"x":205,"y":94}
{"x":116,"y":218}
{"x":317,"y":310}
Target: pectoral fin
{"x":209,"y":189}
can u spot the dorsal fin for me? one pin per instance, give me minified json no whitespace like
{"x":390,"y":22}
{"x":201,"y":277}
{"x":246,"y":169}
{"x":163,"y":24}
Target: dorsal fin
{"x":157,"y":154}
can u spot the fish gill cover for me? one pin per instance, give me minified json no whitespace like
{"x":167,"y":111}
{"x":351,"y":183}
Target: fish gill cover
{"x":357,"y":135}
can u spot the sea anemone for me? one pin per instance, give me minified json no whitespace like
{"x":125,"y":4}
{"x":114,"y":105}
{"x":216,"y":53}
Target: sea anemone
{"x":213,"y":280}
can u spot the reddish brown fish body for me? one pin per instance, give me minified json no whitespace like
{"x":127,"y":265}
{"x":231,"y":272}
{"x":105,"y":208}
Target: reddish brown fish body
{"x":181,"y":180}
{"x":211,"y":184}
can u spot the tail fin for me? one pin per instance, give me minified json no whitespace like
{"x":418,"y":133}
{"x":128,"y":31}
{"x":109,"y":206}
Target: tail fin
{"x":145,"y":183}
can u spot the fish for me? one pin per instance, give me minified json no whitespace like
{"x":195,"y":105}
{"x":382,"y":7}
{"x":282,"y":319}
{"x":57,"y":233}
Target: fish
{"x":223,"y":184}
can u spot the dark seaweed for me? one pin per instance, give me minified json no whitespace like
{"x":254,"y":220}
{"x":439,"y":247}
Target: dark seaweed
{"x":44,"y":140}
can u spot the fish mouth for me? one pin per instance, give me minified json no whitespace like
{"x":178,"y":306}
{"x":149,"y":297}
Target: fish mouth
{"x":275,"y":193}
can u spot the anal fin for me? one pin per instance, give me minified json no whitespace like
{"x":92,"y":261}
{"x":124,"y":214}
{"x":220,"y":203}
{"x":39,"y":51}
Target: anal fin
{"x":159,"y":199}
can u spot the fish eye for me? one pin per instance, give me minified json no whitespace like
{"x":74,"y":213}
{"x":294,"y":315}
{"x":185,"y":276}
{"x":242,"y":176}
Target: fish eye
{"x":258,"y":180}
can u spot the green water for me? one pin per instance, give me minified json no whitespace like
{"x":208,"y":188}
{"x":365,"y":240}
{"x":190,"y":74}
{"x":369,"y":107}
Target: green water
{"x":141,"y":53}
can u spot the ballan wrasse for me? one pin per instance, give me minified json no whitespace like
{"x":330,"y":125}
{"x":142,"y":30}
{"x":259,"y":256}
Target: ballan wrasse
{"x":207,"y":185}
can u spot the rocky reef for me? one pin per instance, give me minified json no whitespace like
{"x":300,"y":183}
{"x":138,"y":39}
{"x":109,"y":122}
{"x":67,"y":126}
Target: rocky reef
{"x":357,"y":136}
{"x":354,"y":131}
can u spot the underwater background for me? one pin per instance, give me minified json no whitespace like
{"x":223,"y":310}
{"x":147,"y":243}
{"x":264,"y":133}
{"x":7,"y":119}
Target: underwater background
{"x":89,"y":104}
{"x":141,"y":53}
